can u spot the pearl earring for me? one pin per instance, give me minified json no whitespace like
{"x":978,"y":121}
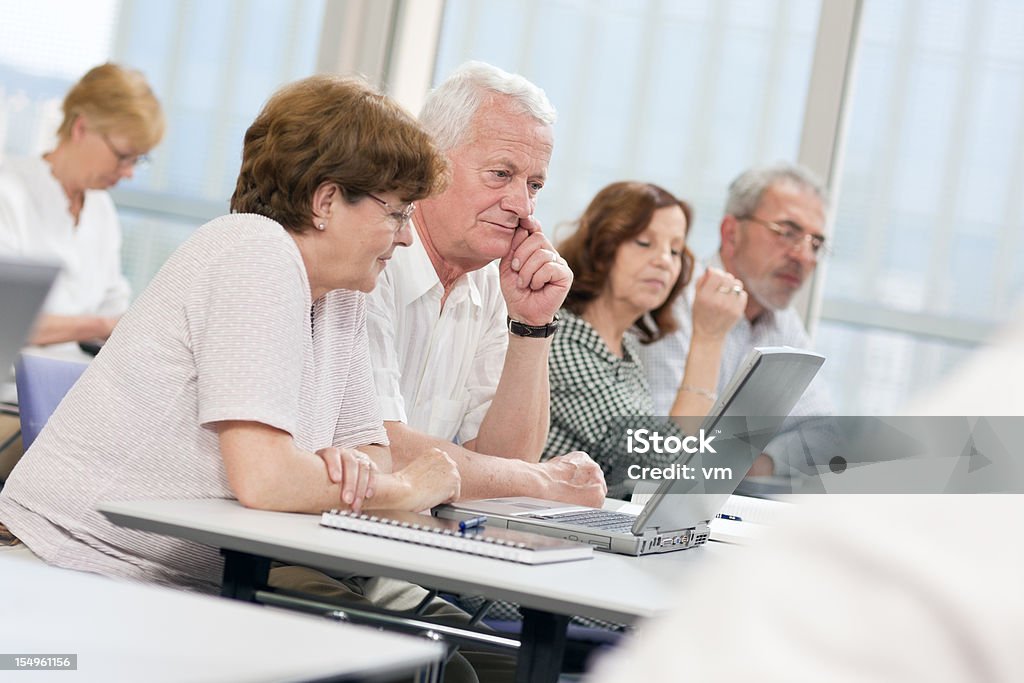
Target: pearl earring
{"x":321,"y":226}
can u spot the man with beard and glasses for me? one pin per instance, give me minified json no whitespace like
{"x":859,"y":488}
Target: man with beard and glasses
{"x":772,"y":238}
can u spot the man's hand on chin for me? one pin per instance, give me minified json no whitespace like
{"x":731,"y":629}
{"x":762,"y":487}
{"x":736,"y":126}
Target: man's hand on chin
{"x":534,"y":278}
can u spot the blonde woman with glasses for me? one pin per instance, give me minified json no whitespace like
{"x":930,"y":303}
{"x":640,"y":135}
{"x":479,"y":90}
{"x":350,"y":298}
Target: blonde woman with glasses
{"x":56,"y":207}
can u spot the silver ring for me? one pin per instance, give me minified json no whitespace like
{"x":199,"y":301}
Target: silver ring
{"x":737,"y":289}
{"x":554,"y":257}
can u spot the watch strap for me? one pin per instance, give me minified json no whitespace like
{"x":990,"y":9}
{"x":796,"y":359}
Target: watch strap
{"x":534,"y":331}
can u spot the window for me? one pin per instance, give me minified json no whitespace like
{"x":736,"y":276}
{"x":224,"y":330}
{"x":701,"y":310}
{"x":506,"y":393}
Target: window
{"x":683,"y":94}
{"x":212,"y":64}
{"x":46,"y":46}
{"x":928,"y":229}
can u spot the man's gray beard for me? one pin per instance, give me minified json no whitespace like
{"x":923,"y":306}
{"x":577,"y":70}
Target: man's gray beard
{"x":765,"y":304}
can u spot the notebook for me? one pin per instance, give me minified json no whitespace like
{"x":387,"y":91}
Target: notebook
{"x":23,"y":289}
{"x":744,"y":419}
{"x":744,"y":518}
{"x":498,"y":543}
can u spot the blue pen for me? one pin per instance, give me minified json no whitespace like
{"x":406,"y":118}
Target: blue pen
{"x":732,"y":518}
{"x":473,"y":523}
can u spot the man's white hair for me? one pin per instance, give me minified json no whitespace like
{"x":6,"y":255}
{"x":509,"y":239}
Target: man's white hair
{"x":746,"y":191}
{"x":450,"y":107}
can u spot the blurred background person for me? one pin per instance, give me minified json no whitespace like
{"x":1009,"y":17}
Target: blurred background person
{"x":630,"y":262}
{"x":56,"y":207}
{"x":855,"y":604}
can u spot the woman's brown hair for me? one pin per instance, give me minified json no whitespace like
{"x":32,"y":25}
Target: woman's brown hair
{"x":330,"y":129}
{"x":618,"y":213}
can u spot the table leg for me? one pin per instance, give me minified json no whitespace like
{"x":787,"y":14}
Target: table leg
{"x":543,"y":646}
{"x":9,"y":441}
{"x":244,"y":574}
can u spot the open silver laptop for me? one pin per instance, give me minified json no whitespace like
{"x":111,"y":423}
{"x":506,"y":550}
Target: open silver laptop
{"x":23,"y":289}
{"x":742,"y":422}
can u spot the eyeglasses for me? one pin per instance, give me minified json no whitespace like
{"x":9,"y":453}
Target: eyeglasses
{"x":124,"y":160}
{"x":401,"y":217}
{"x":793,"y":235}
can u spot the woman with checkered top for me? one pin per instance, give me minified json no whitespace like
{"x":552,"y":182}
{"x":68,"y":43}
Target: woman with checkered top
{"x":630,"y":261}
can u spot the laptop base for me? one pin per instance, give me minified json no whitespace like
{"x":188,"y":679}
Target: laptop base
{"x":547,"y":519}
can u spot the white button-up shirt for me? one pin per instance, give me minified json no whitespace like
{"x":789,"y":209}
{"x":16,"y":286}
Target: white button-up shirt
{"x":436,"y":369}
{"x":35,"y":223}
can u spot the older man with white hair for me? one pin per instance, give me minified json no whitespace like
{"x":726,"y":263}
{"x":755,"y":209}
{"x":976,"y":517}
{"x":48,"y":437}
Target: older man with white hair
{"x":460,"y":328}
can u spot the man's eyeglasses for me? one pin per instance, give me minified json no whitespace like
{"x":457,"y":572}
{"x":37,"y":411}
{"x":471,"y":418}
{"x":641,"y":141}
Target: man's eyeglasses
{"x":793,"y":235}
{"x":401,"y":217}
{"x":124,"y":160}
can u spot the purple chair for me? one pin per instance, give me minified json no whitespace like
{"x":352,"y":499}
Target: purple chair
{"x":42,"y":383}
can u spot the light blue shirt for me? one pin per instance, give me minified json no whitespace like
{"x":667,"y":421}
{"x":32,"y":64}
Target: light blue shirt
{"x":665,"y":361}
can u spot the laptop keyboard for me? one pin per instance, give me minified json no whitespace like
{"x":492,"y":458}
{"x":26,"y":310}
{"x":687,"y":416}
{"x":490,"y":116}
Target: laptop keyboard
{"x":606,"y":520}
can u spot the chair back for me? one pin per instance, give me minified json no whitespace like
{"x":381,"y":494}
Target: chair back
{"x":42,"y":383}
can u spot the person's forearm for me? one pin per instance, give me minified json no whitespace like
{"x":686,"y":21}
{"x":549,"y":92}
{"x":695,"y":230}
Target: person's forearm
{"x":516,"y":424}
{"x":299,"y":483}
{"x":54,"y":329}
{"x":694,"y":397}
{"x":483,"y":476}
{"x":381,"y":455}
{"x":267,"y":471}
{"x":292,"y":481}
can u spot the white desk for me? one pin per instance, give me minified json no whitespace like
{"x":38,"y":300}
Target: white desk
{"x":611,"y":587}
{"x":123,"y":631}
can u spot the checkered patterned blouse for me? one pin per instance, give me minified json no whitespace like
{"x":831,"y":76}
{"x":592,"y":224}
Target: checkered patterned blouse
{"x":595,"y":397}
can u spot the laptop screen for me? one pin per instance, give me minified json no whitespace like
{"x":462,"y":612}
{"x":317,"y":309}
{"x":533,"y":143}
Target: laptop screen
{"x":23,"y":289}
{"x":744,"y":419}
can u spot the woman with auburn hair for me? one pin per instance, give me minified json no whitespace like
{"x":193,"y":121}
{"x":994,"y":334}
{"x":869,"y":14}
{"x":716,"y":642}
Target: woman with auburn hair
{"x":56,"y":207}
{"x":630,"y":261}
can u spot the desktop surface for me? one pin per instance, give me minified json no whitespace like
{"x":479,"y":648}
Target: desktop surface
{"x":615,"y":588}
{"x":126,"y":631}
